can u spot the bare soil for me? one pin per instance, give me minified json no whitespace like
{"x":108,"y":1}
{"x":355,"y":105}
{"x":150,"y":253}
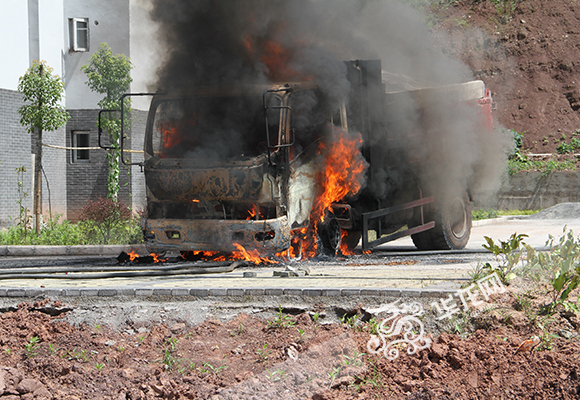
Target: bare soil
{"x":528,"y":57}
{"x":290,"y":357}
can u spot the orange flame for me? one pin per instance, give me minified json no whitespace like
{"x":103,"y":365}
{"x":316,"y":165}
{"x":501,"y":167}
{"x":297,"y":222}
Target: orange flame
{"x":343,"y":247}
{"x":132,"y":255}
{"x":275,"y":57}
{"x":156,"y":258}
{"x":252,"y":211}
{"x":344,"y":166}
{"x":252,"y":255}
{"x":342,"y":175}
{"x":176,"y":133}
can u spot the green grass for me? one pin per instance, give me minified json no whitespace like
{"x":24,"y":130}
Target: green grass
{"x":65,"y":233}
{"x":520,"y":163}
{"x":477,"y":215}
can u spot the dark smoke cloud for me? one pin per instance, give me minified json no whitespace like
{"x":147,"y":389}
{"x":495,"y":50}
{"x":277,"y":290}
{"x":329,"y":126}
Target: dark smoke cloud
{"x":211,"y":42}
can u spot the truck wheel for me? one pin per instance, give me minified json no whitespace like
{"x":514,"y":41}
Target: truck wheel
{"x":329,"y":234}
{"x":351,"y":239}
{"x":452,"y":226}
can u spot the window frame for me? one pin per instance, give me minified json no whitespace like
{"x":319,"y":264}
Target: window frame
{"x":74,"y":34}
{"x":75,"y":143}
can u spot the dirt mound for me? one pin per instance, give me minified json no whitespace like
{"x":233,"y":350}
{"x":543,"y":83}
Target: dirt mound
{"x":527,"y":52}
{"x":291,"y":357}
{"x":559,"y":211}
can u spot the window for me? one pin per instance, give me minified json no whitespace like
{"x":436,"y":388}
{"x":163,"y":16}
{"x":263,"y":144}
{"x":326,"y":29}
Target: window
{"x":81,"y":139}
{"x":79,"y":34}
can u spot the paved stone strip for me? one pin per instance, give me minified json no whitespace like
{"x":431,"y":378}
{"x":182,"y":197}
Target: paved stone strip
{"x":220,"y":292}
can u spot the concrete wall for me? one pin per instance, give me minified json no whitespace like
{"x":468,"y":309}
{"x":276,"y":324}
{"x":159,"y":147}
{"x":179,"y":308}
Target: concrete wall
{"x":532,"y":190}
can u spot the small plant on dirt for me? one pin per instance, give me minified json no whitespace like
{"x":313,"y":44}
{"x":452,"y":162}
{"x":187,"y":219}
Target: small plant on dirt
{"x":78,"y":355}
{"x":168,"y":359}
{"x":206,"y":368}
{"x":238,"y":331}
{"x":264,"y":352}
{"x":7,"y":352}
{"x":374,"y":378}
{"x":507,"y":255}
{"x":276,"y":376}
{"x":31,"y":348}
{"x":281,"y":320}
{"x":561,"y":267}
{"x":52,"y":349}
{"x":99,"y":366}
{"x":334,"y":374}
{"x":141,"y":338}
{"x":354,"y":361}
{"x":459,"y":324}
{"x":373,"y":326}
{"x":315,"y":317}
{"x":546,"y":341}
{"x":121,"y":349}
{"x":350,"y":321}
{"x":301,"y":332}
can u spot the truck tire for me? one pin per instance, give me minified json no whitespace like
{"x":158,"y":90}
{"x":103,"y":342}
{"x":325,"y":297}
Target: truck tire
{"x":452,"y":226}
{"x":351,"y":239}
{"x":329,"y":234}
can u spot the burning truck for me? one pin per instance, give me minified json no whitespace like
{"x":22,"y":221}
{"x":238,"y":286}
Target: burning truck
{"x":283,"y":168}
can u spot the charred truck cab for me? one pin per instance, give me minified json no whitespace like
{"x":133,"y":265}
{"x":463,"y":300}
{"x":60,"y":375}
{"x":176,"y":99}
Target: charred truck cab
{"x":237,"y":166}
{"x":222,"y":171}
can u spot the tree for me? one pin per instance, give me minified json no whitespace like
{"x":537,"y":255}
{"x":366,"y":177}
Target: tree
{"x":43,"y":92}
{"x":110,"y":75}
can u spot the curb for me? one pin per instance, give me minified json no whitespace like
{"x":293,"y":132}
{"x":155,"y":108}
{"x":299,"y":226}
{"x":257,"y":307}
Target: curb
{"x":195,"y":293}
{"x":94,"y":250}
{"x":490,"y":221}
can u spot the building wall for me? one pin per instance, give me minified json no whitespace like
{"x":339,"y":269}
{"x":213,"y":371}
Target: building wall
{"x":109,"y":23}
{"x":88,"y":180}
{"x":15,"y":142}
{"x":14,"y":43}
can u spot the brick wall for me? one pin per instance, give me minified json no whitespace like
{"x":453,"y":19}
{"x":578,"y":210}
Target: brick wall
{"x":15,"y":144}
{"x":87,"y":180}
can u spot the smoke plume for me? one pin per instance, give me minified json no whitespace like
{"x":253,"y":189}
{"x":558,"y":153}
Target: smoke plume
{"x":209,"y":42}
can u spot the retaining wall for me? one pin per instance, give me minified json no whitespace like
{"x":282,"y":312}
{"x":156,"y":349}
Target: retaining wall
{"x":533,"y":190}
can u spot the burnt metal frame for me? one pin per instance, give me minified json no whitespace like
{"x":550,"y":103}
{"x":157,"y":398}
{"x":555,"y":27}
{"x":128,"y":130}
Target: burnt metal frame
{"x":141,"y":164}
{"x":266,"y":108}
{"x":391,"y":210}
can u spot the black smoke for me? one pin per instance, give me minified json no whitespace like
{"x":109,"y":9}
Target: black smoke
{"x":232,"y":42}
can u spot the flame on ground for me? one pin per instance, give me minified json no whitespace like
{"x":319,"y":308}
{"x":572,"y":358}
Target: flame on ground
{"x":133,"y":255}
{"x":156,"y":258}
{"x":251,"y":255}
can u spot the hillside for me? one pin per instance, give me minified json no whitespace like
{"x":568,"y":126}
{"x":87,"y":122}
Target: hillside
{"x":528,"y":53}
